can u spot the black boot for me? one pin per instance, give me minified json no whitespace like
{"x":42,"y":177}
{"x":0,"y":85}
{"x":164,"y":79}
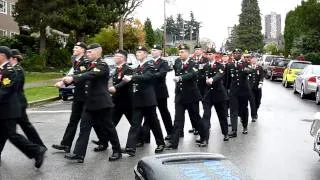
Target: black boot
{"x":100,"y":148}
{"x":61,"y":147}
{"x":159,"y":149}
{"x":115,"y":156}
{"x":233,"y":134}
{"x":39,"y":159}
{"x":70,"y":156}
{"x":204,"y":143}
{"x":226,"y":138}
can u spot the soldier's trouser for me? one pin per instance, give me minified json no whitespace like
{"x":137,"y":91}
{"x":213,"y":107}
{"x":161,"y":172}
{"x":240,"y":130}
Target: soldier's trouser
{"x":179,"y":119}
{"x":118,"y":112}
{"x":253,"y":107}
{"x":150,"y":116}
{"x":239,"y":107}
{"x":8,"y":131}
{"x":221,"y":109}
{"x":70,"y":132}
{"x":101,"y":118}
{"x":166,"y":118}
{"x":29,"y":129}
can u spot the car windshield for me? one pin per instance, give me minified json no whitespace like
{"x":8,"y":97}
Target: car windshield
{"x":269,"y":58}
{"x":276,"y":62}
{"x":316,"y":70}
{"x":299,"y":65}
{"x":283,"y":63}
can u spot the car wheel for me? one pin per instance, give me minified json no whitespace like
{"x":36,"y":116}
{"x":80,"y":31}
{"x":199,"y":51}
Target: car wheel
{"x":318,"y":97}
{"x":65,"y":98}
{"x":294,"y":88}
{"x":271,"y":77}
{"x":286,"y":84}
{"x":302,"y":94}
{"x":282,"y":82}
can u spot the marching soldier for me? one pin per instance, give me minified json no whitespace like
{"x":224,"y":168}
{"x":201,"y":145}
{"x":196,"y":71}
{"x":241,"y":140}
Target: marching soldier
{"x":161,"y":68}
{"x":215,"y":95}
{"x":121,"y":90}
{"x":144,"y":103}
{"x":10,"y":111}
{"x":97,"y":105}
{"x":239,"y":92}
{"x":24,"y":122}
{"x":187,"y":95}
{"x":256,"y":82}
{"x":201,"y":78}
{"x":79,"y":65}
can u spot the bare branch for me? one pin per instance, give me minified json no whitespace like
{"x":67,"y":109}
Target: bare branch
{"x":130,"y":7}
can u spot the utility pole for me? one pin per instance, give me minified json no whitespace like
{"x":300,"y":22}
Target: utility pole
{"x":164,"y":28}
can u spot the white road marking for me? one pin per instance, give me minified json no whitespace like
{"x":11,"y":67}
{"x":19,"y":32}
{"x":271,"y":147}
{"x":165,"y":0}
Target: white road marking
{"x":48,"y":112}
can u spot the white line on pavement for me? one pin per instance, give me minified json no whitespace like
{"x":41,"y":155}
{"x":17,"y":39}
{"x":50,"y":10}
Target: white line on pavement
{"x":48,"y":112}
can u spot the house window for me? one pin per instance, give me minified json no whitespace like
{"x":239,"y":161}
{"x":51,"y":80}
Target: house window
{"x":3,"y":32}
{"x":12,"y":6}
{"x":3,"y":6}
{"x":13,"y":34}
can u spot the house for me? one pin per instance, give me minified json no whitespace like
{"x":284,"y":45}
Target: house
{"x":8,"y":27}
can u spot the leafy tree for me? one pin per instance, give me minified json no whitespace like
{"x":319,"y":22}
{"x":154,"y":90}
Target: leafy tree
{"x":149,"y":33}
{"x":271,"y":48}
{"x":249,"y":36}
{"x":158,"y":36}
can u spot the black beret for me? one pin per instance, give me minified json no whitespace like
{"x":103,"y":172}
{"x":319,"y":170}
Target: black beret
{"x":81,"y":44}
{"x":237,"y":51}
{"x":122,"y":52}
{"x":183,"y":47}
{"x":16,"y":54}
{"x":211,"y":50}
{"x":156,"y":46}
{"x":94,"y":46}
{"x":141,"y":48}
{"x":5,"y":50}
{"x":197,"y":46}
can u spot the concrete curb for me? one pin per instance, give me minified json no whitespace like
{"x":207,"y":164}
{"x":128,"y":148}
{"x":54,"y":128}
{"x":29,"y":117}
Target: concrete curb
{"x":43,"y":101}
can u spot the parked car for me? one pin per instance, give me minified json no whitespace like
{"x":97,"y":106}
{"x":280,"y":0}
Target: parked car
{"x":171,"y":60}
{"x":290,"y":73}
{"x":111,"y":63}
{"x":307,"y":80}
{"x":276,"y":68}
{"x":67,"y":91}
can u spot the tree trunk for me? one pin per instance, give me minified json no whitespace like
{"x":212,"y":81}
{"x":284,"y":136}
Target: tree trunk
{"x":121,"y":33}
{"x":43,"y":45}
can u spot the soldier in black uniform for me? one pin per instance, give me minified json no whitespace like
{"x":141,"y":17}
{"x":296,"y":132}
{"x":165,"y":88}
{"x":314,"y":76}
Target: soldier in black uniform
{"x":215,"y":95}
{"x":256,"y":82}
{"x":97,"y":107}
{"x":79,"y":65}
{"x":24,"y":122}
{"x":161,"y":68}
{"x":201,"y":79}
{"x":187,"y":94}
{"x":10,"y":111}
{"x":239,"y":92}
{"x":144,"y":103}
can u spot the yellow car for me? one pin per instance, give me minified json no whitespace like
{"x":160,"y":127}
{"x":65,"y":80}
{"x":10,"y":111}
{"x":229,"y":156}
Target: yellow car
{"x":290,"y":73}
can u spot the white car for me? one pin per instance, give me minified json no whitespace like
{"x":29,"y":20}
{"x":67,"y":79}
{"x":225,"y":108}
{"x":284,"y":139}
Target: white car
{"x":307,"y":80}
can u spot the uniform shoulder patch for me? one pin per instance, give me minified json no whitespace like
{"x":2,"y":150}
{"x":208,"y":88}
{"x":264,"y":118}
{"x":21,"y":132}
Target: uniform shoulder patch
{"x":6,"y":81}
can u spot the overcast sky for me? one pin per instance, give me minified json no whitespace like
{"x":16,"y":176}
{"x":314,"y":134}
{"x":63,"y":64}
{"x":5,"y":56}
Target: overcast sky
{"x":215,"y":15}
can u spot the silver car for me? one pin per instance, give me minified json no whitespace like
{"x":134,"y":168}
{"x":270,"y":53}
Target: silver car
{"x":307,"y":80}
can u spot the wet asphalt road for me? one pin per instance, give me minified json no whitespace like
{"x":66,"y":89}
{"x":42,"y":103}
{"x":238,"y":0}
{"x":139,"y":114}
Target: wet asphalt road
{"x":278,"y":146}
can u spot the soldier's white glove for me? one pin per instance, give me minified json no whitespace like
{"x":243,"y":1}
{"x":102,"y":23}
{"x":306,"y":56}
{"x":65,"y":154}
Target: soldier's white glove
{"x":59,"y":84}
{"x":112,"y":89}
{"x":177,"y":79}
{"x":260,"y":86}
{"x":209,"y":81}
{"x":127,"y":78}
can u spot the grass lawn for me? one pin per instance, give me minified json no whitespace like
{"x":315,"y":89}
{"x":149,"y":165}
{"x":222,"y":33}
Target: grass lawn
{"x":39,"y":76}
{"x":39,"y":93}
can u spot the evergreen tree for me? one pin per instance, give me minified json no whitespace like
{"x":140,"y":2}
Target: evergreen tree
{"x":149,"y":33}
{"x":249,"y":36}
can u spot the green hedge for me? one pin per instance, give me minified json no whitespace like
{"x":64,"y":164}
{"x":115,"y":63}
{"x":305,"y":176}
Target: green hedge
{"x":313,"y":57}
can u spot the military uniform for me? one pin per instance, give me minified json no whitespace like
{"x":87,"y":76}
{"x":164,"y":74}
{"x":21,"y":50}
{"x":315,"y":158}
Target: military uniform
{"x":144,"y":106}
{"x":255,"y":81}
{"x":161,"y":68}
{"x":187,"y":97}
{"x":98,"y":107}
{"x":239,"y":93}
{"x":10,"y":112}
{"x":201,"y":79}
{"x":215,"y":95}
{"x":123,"y":96}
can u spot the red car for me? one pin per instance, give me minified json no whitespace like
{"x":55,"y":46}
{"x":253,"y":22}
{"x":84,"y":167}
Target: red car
{"x":276,"y":68}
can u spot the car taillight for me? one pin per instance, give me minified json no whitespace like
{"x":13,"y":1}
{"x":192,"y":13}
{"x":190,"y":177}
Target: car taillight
{"x":312,"y":79}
